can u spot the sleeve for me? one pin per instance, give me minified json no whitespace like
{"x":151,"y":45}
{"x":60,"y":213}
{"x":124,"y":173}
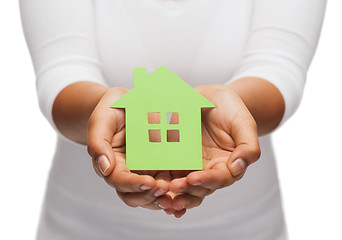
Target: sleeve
{"x":61,"y":41}
{"x":282,"y":41}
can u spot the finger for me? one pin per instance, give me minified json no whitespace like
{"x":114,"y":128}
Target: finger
{"x":165,"y":202}
{"x":103,"y":124}
{"x":178,"y":185}
{"x":215,"y":178}
{"x":198,"y":191}
{"x":148,"y":199}
{"x":247,"y":149}
{"x":152,"y":206}
{"x":186,"y":201}
{"x":160,"y":203}
{"x":139,"y":199}
{"x":162,"y":183}
{"x":182,"y":186}
{"x":96,"y":168}
{"x":100,"y":134}
{"x":169,"y":211}
{"x":102,"y":155}
{"x":179,"y":214}
{"x":125,"y":181}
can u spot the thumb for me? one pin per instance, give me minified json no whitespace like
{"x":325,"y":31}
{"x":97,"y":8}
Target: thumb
{"x":103,"y":124}
{"x":100,"y":136}
{"x":102,"y":156}
{"x":99,"y":147}
{"x":247,"y":149}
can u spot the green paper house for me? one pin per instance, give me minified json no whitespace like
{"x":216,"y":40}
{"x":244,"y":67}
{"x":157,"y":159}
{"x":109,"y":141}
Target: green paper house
{"x":163,"y":122}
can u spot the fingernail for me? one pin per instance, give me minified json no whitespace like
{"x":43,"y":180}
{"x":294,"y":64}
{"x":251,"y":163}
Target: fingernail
{"x":144,"y":187}
{"x":168,"y":211}
{"x":159,"y":192}
{"x":161,"y":206}
{"x":238,"y":167}
{"x":103,"y":164}
{"x":197,"y":183}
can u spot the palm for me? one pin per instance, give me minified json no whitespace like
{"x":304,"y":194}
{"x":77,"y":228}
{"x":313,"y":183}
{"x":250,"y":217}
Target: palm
{"x":223,"y":132}
{"x":217,"y":144}
{"x":118,"y":144}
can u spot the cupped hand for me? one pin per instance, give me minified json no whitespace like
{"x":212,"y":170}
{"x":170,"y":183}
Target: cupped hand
{"x":106,"y":146}
{"x":230,"y":145}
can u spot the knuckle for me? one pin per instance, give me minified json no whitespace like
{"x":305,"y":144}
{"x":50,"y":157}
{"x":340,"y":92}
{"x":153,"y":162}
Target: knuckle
{"x":195,"y":202}
{"x":207,"y":192}
{"x":255,"y":153}
{"x":222,"y":181}
{"x":118,"y":187}
{"x":151,"y":206}
{"x":198,"y":202}
{"x":181,"y":201}
{"x":149,"y":197}
{"x":130,"y":203}
{"x":227,"y":181}
{"x":90,"y":148}
{"x":210,"y":192}
{"x":109,"y":180}
{"x":202,"y":193}
{"x":127,"y":200}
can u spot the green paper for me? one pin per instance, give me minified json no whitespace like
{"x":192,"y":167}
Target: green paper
{"x":162,"y":92}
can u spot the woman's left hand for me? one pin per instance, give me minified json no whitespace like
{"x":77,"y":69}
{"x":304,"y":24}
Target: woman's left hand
{"x":230,"y":145}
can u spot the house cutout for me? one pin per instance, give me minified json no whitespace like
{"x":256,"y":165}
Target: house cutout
{"x":163,"y":122}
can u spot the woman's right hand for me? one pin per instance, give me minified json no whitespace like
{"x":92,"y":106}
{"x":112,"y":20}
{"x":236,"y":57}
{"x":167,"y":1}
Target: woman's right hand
{"x":106,"y":146}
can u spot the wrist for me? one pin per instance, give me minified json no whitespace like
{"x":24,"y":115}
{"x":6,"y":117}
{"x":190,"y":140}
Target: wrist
{"x":263,"y":100}
{"x":73,"y":107}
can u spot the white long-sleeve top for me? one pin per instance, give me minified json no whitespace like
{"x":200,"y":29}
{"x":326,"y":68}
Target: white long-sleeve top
{"x":203,"y":42}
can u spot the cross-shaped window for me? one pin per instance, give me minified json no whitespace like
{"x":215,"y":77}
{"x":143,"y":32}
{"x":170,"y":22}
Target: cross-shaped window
{"x":159,"y":125}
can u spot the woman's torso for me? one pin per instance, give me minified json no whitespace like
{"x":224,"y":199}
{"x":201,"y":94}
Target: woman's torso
{"x":201,"y":41}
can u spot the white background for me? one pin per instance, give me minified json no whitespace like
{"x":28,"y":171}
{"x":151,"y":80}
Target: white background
{"x":308,"y":146}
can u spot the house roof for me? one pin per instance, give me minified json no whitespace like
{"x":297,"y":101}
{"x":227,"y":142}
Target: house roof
{"x":161,"y":89}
